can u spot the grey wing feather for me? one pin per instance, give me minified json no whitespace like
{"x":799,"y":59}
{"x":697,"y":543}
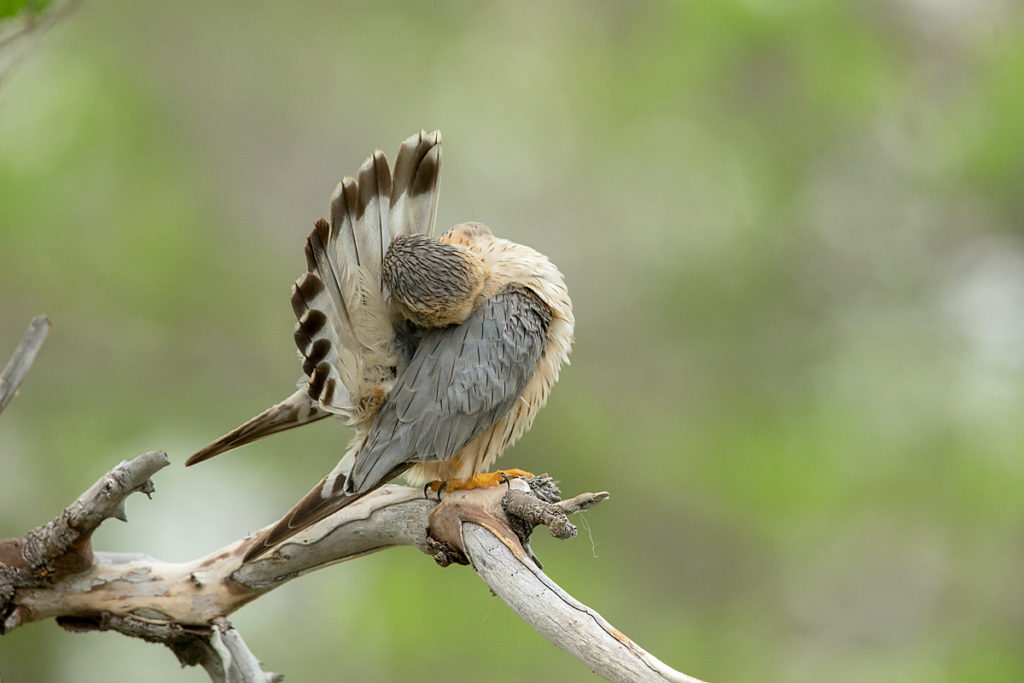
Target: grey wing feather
{"x":461,"y":380}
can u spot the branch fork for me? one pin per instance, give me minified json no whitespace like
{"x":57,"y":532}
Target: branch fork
{"x":511,"y":514}
{"x":53,"y":571}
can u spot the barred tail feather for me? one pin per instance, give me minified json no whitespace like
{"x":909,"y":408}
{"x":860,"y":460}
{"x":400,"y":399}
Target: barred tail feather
{"x":324,"y":500}
{"x":416,"y":186}
{"x":294,"y":411}
{"x":373,"y":209}
{"x":323,"y":337}
{"x":345,"y":331}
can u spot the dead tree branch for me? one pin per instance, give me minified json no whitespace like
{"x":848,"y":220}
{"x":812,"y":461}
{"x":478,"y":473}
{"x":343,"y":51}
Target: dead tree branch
{"x":20,"y":33}
{"x":52,"y":571}
{"x":183,"y":605}
{"x":562,"y":619}
{"x":21,"y":361}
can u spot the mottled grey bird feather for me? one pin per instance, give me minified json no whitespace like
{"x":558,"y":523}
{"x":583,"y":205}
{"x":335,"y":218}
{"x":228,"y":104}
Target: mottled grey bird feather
{"x":461,"y":379}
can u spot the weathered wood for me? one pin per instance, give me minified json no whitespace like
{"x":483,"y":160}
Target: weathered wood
{"x":562,"y":619}
{"x":183,"y":605}
{"x":61,"y":548}
{"x":195,"y":593}
{"x":21,"y":361}
{"x":219,"y":648}
{"x":234,"y":655}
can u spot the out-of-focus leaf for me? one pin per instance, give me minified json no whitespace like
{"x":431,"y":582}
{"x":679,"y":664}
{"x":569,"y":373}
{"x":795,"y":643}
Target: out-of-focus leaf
{"x":9,"y":8}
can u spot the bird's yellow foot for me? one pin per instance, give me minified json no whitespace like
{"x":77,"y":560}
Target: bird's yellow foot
{"x":490,"y":479}
{"x":476,"y":481}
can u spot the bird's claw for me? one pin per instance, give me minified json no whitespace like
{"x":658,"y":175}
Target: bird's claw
{"x":437,"y":486}
{"x":476,"y":481}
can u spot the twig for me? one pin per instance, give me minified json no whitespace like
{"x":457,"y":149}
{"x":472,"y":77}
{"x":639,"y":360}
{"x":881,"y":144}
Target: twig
{"x":197,"y":592}
{"x":16,"y":42}
{"x":21,"y":361}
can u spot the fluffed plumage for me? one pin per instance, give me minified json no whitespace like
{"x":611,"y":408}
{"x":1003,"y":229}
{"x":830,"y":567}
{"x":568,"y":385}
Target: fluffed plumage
{"x":438,"y":351}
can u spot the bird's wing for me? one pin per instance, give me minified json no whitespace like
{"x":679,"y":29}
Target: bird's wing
{"x":345,"y":331}
{"x":461,"y":380}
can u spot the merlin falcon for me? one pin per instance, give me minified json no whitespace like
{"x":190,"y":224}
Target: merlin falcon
{"x":438,"y":351}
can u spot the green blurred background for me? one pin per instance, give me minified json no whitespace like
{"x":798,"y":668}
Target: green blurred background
{"x":793,"y":234}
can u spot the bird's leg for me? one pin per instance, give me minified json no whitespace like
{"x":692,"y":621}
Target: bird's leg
{"x":475,"y":482}
{"x":488,"y":479}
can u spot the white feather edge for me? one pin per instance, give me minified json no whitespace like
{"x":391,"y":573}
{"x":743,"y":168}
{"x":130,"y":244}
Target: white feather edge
{"x":363,"y":348}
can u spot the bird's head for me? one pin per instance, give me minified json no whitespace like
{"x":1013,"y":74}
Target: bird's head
{"x":437,"y":282}
{"x":468,"y":235}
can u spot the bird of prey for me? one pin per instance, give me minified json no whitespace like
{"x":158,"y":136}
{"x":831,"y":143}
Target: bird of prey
{"x":439,"y":351}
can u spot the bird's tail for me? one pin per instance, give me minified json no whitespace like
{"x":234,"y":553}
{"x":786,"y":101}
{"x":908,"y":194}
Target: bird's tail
{"x":324,"y":500}
{"x":296,"y":410}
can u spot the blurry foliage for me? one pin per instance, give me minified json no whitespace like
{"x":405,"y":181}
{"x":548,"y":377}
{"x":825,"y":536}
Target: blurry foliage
{"x":792,"y":233}
{"x":9,"y":8}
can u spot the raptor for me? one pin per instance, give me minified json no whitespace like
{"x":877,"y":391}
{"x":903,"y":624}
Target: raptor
{"x":438,"y":351}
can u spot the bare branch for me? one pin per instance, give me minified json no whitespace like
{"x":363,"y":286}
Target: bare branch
{"x":242,"y":666}
{"x":184,"y":605}
{"x":195,"y":593}
{"x":61,"y":547}
{"x":219,"y":649}
{"x":19,"y":34}
{"x":497,"y":547}
{"x":21,"y":361}
{"x":562,"y":619}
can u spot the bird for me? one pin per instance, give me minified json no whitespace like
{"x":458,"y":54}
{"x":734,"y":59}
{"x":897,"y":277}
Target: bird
{"x":438,"y":351}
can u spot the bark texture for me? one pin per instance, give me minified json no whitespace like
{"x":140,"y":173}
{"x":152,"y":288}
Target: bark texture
{"x":53,"y":572}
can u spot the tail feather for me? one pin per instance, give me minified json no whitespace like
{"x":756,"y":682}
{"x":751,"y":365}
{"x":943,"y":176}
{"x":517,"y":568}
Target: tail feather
{"x":415,"y":191}
{"x":373,"y":208}
{"x":324,"y":338}
{"x":294,"y":411}
{"x":342,"y":228}
{"x":345,"y":331}
{"x":326,"y":498}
